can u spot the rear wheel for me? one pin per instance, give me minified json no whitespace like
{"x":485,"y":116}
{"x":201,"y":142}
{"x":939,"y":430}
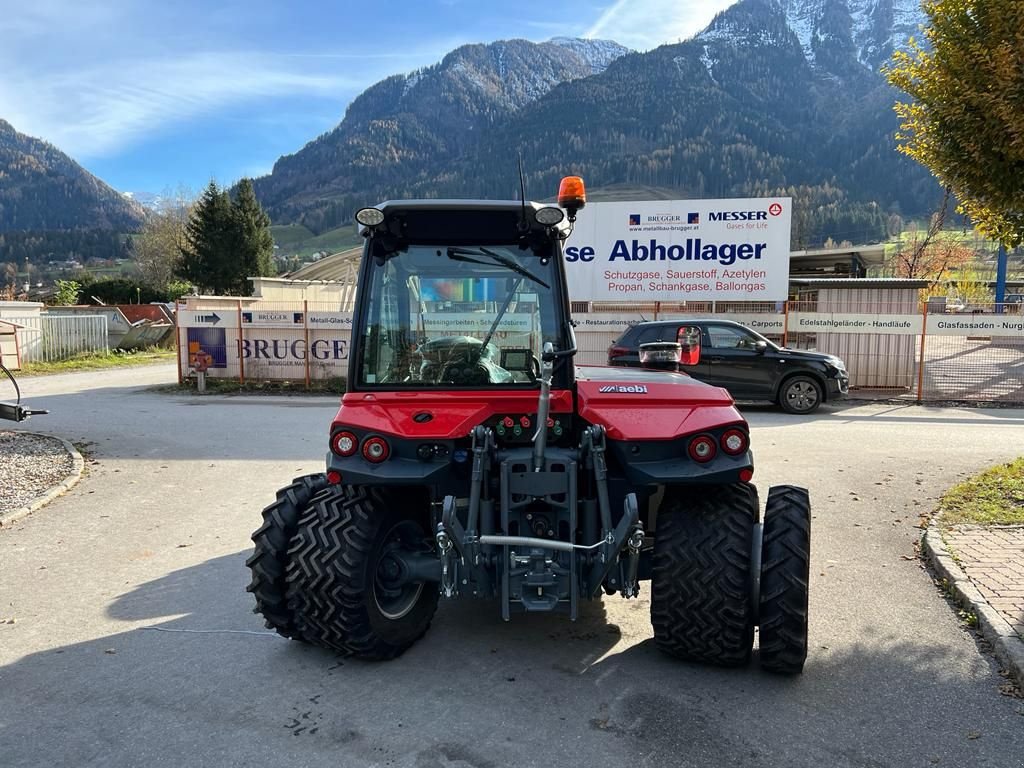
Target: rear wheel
{"x":270,"y":556}
{"x":785,"y":572}
{"x":342,"y":584}
{"x":700,"y":596}
{"x":800,"y":394}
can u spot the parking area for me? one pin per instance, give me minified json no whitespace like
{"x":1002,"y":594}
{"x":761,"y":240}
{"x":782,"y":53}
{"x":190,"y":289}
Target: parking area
{"x":132,"y":640}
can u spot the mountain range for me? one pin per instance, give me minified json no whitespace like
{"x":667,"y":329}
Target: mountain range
{"x":773,"y":97}
{"x":41,"y":188}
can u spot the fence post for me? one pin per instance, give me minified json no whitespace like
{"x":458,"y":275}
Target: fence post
{"x":241,"y":360}
{"x":177,"y":340}
{"x":920,"y":362}
{"x":305,"y":332}
{"x":785,"y":323}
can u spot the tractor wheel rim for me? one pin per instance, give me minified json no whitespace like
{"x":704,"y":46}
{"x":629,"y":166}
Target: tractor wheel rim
{"x":802,"y":395}
{"x":394,"y":602}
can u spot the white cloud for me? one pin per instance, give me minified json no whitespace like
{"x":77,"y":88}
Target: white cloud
{"x":646,"y":24}
{"x":96,"y":110}
{"x":93,"y":79}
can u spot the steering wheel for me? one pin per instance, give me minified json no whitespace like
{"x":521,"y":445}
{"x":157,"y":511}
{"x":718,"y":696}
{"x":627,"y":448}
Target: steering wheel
{"x":466,"y":374}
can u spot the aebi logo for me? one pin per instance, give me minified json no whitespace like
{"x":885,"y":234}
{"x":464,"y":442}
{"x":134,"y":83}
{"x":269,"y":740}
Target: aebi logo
{"x":631,"y":389}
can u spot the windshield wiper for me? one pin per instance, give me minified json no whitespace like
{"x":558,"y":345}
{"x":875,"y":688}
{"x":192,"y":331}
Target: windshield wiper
{"x":464,"y":254}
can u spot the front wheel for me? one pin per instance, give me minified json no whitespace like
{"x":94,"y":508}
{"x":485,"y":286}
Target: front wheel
{"x":785,"y":573}
{"x":700,"y":594}
{"x":342,"y":575}
{"x":800,"y":395}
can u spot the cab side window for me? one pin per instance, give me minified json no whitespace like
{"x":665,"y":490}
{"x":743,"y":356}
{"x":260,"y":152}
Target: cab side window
{"x":727,"y":337}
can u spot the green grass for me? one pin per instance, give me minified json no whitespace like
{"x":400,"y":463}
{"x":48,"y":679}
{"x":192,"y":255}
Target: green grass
{"x":287,"y":235}
{"x":994,"y":497}
{"x":296,"y":239}
{"x":93,"y":362}
{"x":214,"y":386}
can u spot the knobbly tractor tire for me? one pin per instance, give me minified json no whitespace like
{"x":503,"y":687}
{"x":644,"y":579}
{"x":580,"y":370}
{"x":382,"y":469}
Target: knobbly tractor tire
{"x":785,"y":572}
{"x":336,"y":584}
{"x":800,"y":395}
{"x":270,"y":556}
{"x":700,"y":595}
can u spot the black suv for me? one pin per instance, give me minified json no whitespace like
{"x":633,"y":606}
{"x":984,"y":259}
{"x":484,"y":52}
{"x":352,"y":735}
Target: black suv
{"x":730,"y":355}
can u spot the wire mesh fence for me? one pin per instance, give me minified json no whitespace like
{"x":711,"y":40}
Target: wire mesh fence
{"x":977,"y":355}
{"x":892,"y":346}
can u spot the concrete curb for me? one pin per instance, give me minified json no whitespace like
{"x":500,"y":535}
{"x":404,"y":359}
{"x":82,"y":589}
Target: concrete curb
{"x":1006,"y":644}
{"x":78,"y":466}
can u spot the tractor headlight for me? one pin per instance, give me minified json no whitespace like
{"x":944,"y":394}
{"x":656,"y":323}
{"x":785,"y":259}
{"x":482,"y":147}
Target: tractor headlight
{"x":549,"y":216}
{"x":370,"y":217}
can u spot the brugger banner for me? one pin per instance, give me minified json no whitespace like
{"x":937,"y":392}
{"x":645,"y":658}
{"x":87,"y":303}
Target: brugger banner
{"x":681,"y":250}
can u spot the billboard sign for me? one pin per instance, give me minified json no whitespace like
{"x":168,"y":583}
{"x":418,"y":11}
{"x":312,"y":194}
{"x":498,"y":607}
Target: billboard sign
{"x":681,"y":250}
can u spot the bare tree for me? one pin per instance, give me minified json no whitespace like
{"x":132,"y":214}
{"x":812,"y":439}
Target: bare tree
{"x":158,"y":246}
{"x":924,"y":257}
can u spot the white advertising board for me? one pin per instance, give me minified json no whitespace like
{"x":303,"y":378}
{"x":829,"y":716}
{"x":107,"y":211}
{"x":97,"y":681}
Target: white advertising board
{"x":677,"y":250}
{"x":839,"y":322}
{"x":470,"y":322}
{"x":207,"y":318}
{"x":976,"y":325}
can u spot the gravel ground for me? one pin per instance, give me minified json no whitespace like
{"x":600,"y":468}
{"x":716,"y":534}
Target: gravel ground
{"x":29,"y":465}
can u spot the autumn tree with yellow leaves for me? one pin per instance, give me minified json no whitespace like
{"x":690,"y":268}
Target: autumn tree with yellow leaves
{"x":965,"y":122}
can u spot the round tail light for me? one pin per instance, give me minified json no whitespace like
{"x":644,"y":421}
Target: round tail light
{"x":344,"y":443}
{"x":376,"y":450}
{"x":735,"y":441}
{"x":702,"y":448}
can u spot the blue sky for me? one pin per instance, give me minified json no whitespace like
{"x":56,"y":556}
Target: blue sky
{"x":152,"y":96}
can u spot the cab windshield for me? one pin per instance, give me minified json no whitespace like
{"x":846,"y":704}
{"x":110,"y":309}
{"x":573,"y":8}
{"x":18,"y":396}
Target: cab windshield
{"x":458,"y":315}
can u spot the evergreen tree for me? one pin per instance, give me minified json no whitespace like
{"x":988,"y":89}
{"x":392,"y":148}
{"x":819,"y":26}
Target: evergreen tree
{"x":227,"y":242}
{"x":254,"y":243}
{"x":208,"y":252}
{"x":966,"y":120}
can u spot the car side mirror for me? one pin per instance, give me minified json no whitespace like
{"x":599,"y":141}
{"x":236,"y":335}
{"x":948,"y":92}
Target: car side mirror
{"x":760,"y":347}
{"x":689,"y":345}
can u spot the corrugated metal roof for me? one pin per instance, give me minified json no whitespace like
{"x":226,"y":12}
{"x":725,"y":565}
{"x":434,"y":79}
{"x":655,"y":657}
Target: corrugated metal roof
{"x":858,"y":282}
{"x":337,"y":266}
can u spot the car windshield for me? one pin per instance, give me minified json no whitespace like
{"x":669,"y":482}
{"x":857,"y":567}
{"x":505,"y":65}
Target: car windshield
{"x":462,"y":315}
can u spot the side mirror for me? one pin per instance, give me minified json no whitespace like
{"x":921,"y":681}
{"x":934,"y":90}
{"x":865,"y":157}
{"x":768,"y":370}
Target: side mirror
{"x":760,"y":347}
{"x":689,"y":344}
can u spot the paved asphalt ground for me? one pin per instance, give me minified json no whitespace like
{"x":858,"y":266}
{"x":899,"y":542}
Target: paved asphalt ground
{"x":157,"y":532}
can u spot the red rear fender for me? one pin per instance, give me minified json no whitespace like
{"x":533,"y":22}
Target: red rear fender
{"x":639,"y":405}
{"x":438,"y":415}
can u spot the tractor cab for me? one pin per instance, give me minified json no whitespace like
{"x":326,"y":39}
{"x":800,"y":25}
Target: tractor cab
{"x":457,"y":295}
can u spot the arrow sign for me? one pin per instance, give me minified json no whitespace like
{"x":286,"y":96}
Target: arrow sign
{"x":214,"y":318}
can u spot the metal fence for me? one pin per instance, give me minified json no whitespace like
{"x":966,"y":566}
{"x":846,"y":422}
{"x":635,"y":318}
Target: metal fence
{"x":893,"y":348}
{"x":46,"y":338}
{"x":982,"y":362}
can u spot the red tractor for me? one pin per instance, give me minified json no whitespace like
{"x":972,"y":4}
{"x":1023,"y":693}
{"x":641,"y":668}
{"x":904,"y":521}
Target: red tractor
{"x":472,"y":458}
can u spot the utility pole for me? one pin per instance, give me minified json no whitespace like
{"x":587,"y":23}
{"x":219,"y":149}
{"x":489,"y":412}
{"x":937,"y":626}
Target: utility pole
{"x":1001,"y":258}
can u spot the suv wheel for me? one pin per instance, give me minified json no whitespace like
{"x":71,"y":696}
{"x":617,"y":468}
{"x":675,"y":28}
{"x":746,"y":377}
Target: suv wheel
{"x":800,"y":394}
